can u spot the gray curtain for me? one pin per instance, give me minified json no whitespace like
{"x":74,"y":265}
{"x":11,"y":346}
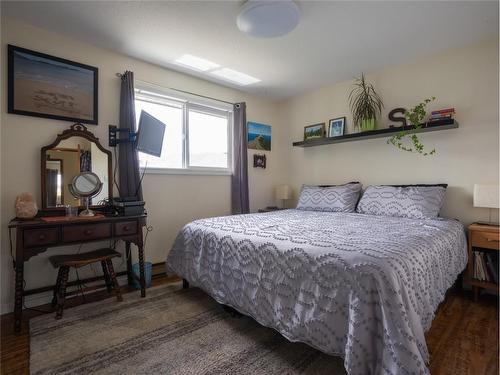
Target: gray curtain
{"x":239,"y":178}
{"x":128,"y":161}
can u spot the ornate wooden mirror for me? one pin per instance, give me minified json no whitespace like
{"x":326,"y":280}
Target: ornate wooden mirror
{"x":74,"y":151}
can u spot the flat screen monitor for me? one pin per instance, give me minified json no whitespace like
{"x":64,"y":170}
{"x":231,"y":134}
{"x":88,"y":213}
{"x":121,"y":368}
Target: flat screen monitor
{"x":150,"y":134}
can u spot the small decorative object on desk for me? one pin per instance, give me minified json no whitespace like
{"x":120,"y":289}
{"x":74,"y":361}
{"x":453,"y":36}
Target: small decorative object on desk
{"x":71,"y":211}
{"x":26,"y":207}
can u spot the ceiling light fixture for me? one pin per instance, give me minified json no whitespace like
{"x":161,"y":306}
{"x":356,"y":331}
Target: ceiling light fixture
{"x":235,"y":76}
{"x":196,"y":63}
{"x":268,"y":19}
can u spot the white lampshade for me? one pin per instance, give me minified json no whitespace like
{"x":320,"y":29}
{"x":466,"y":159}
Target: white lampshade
{"x":486,"y":196}
{"x":283,"y":192}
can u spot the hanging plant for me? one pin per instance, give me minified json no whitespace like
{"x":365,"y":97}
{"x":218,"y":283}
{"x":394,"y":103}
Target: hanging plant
{"x":415,"y":116}
{"x":365,"y":104}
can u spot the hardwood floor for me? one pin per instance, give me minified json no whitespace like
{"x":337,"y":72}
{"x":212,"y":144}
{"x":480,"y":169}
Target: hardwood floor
{"x":463,"y":339}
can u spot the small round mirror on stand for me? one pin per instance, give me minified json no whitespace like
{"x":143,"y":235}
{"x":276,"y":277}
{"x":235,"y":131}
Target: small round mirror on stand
{"x":85,"y":185}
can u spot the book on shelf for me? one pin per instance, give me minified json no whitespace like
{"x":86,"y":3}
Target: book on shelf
{"x":485,"y":267}
{"x":446,"y":110}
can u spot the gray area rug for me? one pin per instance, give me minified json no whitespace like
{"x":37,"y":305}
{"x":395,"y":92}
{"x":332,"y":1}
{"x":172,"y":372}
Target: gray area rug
{"x":171,"y":331}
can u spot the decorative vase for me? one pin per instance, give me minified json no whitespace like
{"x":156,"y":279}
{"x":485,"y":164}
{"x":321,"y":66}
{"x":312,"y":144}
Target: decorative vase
{"x":368,"y":124}
{"x":26,"y":207}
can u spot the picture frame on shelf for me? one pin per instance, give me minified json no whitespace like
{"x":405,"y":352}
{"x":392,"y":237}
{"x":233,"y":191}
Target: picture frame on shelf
{"x":315,"y":131}
{"x":46,"y":86}
{"x":336,"y":127}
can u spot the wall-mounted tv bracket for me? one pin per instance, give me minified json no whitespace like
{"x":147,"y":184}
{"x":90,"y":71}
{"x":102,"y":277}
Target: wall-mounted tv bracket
{"x":113,"y":136}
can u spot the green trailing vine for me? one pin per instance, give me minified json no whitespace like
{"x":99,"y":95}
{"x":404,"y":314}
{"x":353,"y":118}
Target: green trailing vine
{"x":416,"y":117}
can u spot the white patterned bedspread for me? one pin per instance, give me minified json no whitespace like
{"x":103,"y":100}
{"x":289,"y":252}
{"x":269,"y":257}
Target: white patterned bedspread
{"x":359,"y":286}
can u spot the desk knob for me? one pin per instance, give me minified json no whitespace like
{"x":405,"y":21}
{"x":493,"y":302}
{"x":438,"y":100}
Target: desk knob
{"x":42,"y":236}
{"x":87,"y":232}
{"x":126,"y":228}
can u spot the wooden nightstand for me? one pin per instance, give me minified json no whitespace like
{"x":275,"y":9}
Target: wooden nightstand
{"x":270,"y":209}
{"x":485,"y":239}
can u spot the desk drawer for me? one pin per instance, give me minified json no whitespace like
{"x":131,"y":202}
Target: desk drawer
{"x":126,"y":228}
{"x":40,"y":237}
{"x":86,"y":232}
{"x":488,"y":240}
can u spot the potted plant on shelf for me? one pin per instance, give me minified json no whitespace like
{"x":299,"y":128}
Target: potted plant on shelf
{"x":365,"y":104}
{"x":415,"y":117}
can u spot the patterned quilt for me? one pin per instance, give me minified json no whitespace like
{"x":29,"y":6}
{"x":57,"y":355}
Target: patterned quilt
{"x":358,"y":286}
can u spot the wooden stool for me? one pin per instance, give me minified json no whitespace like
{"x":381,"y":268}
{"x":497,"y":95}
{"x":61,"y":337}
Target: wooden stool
{"x":64,"y":262}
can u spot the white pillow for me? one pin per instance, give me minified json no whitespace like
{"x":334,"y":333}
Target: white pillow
{"x":341,"y":198}
{"x":416,"y":202}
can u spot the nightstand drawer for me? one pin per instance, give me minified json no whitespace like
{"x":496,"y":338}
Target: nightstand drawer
{"x":86,"y":232}
{"x":488,"y":240}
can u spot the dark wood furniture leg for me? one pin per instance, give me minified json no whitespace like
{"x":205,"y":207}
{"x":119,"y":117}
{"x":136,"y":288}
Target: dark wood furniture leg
{"x":61,"y":294}
{"x":185,"y":284}
{"x":107,"y":280}
{"x":112,"y":274}
{"x":18,"y":301}
{"x":141,"y":270}
{"x":57,"y":287}
{"x":128,"y":254}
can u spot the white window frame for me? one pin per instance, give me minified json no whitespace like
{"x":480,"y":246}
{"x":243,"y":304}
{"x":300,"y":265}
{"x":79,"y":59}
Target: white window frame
{"x":188,"y":102}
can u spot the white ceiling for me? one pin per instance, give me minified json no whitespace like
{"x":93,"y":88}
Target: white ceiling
{"x":334,"y":41}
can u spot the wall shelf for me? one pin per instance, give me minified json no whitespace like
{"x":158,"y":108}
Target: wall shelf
{"x":380,"y":133}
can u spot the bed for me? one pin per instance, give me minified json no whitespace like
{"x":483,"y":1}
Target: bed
{"x":358,"y":286}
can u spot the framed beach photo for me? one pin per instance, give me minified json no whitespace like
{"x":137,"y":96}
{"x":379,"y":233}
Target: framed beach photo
{"x":314,"y":131}
{"x":336,"y":127}
{"x":258,"y":136}
{"x":46,"y":86}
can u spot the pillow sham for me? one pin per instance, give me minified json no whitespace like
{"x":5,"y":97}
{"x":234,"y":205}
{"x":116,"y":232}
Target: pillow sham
{"x":340,"y":198}
{"x":412,"y":201}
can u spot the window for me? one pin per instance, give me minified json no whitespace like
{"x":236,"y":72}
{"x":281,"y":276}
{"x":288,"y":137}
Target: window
{"x":197,"y":135}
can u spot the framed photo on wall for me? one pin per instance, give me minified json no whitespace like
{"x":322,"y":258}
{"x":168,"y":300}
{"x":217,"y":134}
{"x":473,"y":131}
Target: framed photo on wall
{"x":336,"y":127}
{"x":46,"y":86}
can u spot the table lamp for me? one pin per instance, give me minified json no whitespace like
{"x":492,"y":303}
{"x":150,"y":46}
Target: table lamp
{"x":486,"y":196}
{"x":283,"y":193}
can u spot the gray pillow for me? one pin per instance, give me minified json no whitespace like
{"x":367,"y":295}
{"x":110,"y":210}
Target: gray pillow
{"x":416,"y":202}
{"x":341,"y":198}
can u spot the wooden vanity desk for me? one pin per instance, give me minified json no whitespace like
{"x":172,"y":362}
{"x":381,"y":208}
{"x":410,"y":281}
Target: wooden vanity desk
{"x":74,"y":152}
{"x":36,"y":236}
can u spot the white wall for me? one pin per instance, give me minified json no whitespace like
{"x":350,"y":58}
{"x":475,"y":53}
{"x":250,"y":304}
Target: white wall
{"x":466,"y":79}
{"x":172,"y":200}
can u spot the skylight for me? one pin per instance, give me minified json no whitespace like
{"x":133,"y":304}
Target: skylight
{"x":196,"y":63}
{"x":235,"y":76}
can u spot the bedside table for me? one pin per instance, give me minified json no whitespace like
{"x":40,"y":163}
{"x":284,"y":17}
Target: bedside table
{"x":270,"y":209}
{"x":483,"y":239}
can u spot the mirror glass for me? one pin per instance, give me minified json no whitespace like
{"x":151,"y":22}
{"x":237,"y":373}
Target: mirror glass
{"x":64,"y":162}
{"x":86,"y":184}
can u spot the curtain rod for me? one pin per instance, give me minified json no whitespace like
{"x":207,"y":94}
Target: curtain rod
{"x":119,"y":75}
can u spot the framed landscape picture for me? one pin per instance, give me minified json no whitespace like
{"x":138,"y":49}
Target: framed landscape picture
{"x":259,"y":136}
{"x":314,"y":131}
{"x":41,"y":85}
{"x":336,"y":127}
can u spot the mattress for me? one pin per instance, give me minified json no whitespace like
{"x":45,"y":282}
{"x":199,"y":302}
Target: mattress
{"x":362,"y":287}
